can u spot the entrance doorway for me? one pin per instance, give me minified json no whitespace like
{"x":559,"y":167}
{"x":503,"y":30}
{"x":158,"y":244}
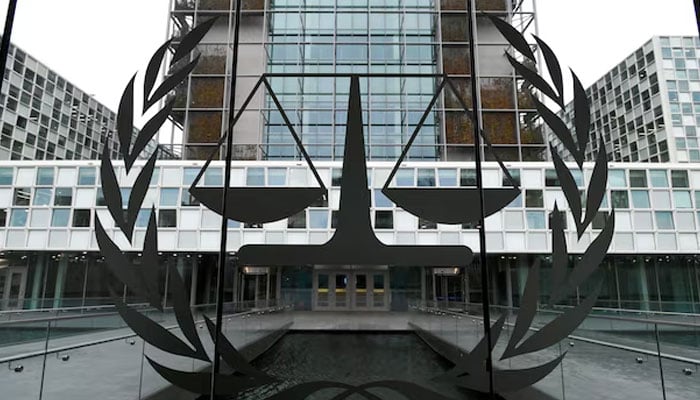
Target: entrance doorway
{"x":13,"y":285}
{"x":258,"y":286}
{"x":361,"y":290}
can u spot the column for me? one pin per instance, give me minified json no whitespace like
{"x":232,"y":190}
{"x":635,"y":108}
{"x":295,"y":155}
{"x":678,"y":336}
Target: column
{"x":37,"y":281}
{"x":60,"y":281}
{"x":643,"y":287}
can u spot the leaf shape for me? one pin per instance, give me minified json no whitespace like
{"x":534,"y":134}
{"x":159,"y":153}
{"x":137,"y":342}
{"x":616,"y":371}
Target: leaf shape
{"x":560,"y":255}
{"x":527,"y":311}
{"x":596,"y":188}
{"x":149,"y":79}
{"x":171,"y":82}
{"x":474,"y":361}
{"x":513,"y":37}
{"x":559,"y":128}
{"x":411,"y":390}
{"x":591,"y":258}
{"x":183,"y":314}
{"x":152,"y":332}
{"x":190,"y":41}
{"x":532,"y":77}
{"x":306,"y":389}
{"x":143,"y":281}
{"x":150,"y":263}
{"x":582,"y":115}
{"x":125,"y":118}
{"x":147,"y":133}
{"x":568,"y":185}
{"x":233,"y":358}
{"x":110,"y":189}
{"x":138,"y":194}
{"x":200,"y":382}
{"x":553,"y":67}
{"x":560,"y":327}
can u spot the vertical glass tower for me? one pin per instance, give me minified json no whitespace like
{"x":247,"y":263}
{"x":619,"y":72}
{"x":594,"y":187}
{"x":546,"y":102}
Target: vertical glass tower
{"x":308,"y":48}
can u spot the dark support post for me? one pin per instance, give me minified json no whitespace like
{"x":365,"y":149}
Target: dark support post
{"x":476,"y":123}
{"x":6,"y":35}
{"x":227,"y":182}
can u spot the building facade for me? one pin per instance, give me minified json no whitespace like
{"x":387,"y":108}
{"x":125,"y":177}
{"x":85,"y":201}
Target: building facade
{"x":45,"y":117}
{"x":647,"y":108}
{"x":298,"y":39}
{"x":50,"y":256}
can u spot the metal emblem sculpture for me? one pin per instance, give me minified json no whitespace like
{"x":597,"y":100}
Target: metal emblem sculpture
{"x":354,"y":231}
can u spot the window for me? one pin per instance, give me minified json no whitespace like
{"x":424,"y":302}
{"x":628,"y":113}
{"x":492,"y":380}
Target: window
{"x":18,"y":217}
{"x":640,"y":199}
{"x":188,"y":175}
{"x":384,"y":219}
{"x":664,"y":220}
{"x":616,"y":178}
{"x":638,"y":178}
{"x":81,"y":218}
{"x":447,"y":177}
{"x":658,"y":178}
{"x":188,"y":199}
{"x":535,"y":219}
{"x":550,"y":178}
{"x":619,"y":199}
{"x":100,"y":198}
{"x":380,"y":200}
{"x":681,"y":198}
{"x":169,"y":196}
{"x":167,"y":218}
{"x":86,"y":176}
{"x":534,"y":198}
{"x":3,"y":217}
{"x":60,"y":217}
{"x":515,"y":174}
{"x":64,"y":197}
{"x":297,"y":221}
{"x":679,"y":179}
{"x":467,"y":177}
{"x":44,"y":176}
{"x":42,"y":197}
{"x":22,"y":196}
{"x":336,"y":176}
{"x":278,"y":176}
{"x":213,"y":177}
{"x":599,"y":220}
{"x":318,"y":219}
{"x":142,"y":218}
{"x":426,"y":177}
{"x":425,"y":224}
{"x":661,"y":199}
{"x":5,"y":176}
{"x":255,"y":177}
{"x":517,"y":202}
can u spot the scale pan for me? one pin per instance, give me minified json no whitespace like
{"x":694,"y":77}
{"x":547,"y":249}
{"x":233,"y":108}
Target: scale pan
{"x":258,"y":205}
{"x":450,"y":205}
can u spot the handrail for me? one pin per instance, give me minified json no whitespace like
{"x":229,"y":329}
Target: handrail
{"x":637,"y":350}
{"x":123,"y":337}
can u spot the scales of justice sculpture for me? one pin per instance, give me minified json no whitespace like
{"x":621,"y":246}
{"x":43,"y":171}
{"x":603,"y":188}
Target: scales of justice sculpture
{"x":354,"y":241}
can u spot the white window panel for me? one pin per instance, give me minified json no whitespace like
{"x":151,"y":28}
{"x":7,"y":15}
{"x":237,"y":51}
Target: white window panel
{"x":187,"y":240}
{"x":449,"y":227}
{"x":58,"y":239}
{"x":297,"y":177}
{"x":449,"y":238}
{"x":25,"y":177}
{"x":171,"y":176}
{"x":139,"y":238}
{"x":40,"y":218}
{"x":537,"y":241}
{"x":380,"y":176}
{"x":238,"y":177}
{"x":16,"y":238}
{"x":514,"y":220}
{"x":167,"y":240}
{"x":404,"y":221}
{"x":667,"y":241}
{"x":695,"y":179}
{"x":579,"y":245}
{"x":386,"y":237}
{"x":274,"y":237}
{"x":37,"y":239}
{"x":318,"y":237}
{"x":277,"y":225}
{"x":324,"y":173}
{"x":623,"y":221}
{"x":427,"y":238}
{"x":687,"y":241}
{"x":494,"y":241}
{"x":685,"y":221}
{"x":210,"y":240}
{"x":471,"y":240}
{"x":492,"y":178}
{"x":531,"y":178}
{"x":189,"y":219}
{"x":5,"y":197}
{"x":551,"y":196}
{"x":67,"y":177}
{"x":84,"y":198}
{"x":334,"y":199}
{"x":643,"y":221}
{"x":623,"y":241}
{"x":78,"y":239}
{"x":405,"y":238}
{"x":660,"y":199}
{"x":297,"y":237}
{"x":233,"y":241}
{"x":494,"y":222}
{"x":645,"y":241}
{"x":105,"y":218}
{"x":210,"y":219}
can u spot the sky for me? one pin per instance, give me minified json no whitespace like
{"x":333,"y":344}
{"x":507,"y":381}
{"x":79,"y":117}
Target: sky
{"x":99,"y":44}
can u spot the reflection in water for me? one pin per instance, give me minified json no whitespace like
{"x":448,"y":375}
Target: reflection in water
{"x":352,"y":358}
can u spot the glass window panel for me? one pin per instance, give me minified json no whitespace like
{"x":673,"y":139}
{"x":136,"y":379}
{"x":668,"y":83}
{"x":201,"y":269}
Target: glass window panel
{"x":278,"y":176}
{"x":18,"y":217}
{"x":514,"y":220}
{"x":64,"y":197}
{"x":535,"y":219}
{"x":142,"y":218}
{"x":255,"y":177}
{"x":22,"y":196}
{"x":169,"y":196}
{"x":517,"y":202}
{"x":87,"y":176}
{"x":167,"y":218}
{"x":616,"y":178}
{"x":642,"y":221}
{"x":214,"y":177}
{"x":467,"y":177}
{"x":384,"y":219}
{"x":188,"y":175}
{"x":681,"y":198}
{"x":42,"y":196}
{"x":661,"y":199}
{"x":60,"y":217}
{"x":619,"y":199}
{"x":81,"y":218}
{"x":534,"y":198}
{"x":318,"y":219}
{"x":640,"y":199}
{"x":426,"y":177}
{"x":638,"y":178}
{"x":380,"y":200}
{"x":447,"y":177}
{"x":44,"y":176}
{"x":685,"y":221}
{"x":297,"y":221}
{"x":664,"y":220}
{"x":550,"y":178}
{"x":679,"y":179}
{"x":658,"y":178}
{"x":5,"y":176}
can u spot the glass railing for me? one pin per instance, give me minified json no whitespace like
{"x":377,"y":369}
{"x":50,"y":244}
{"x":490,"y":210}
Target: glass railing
{"x":612,"y":355}
{"x":87,"y":355}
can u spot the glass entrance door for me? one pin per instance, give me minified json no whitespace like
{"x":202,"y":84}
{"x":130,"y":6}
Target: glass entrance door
{"x":351,"y":290}
{"x":362,"y":295}
{"x":12,"y":288}
{"x":341,"y":290}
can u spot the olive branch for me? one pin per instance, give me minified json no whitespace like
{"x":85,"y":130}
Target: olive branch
{"x":469,"y":371}
{"x":142,"y":278}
